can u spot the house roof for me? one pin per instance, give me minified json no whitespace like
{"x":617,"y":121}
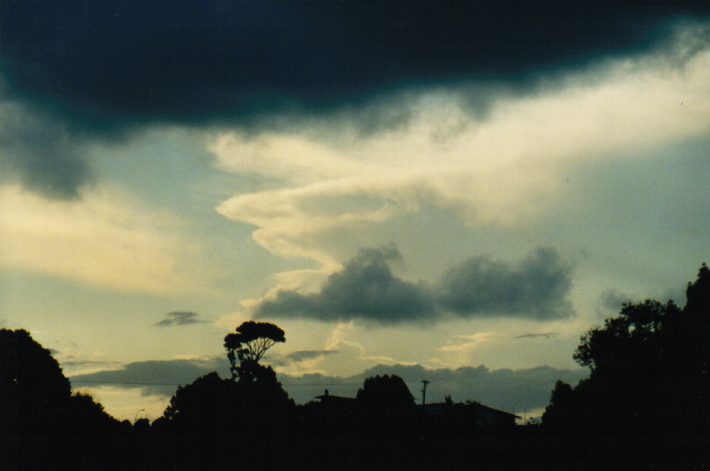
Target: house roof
{"x":327,"y":397}
{"x":441,"y":407}
{"x":495,"y":411}
{"x":330,"y":397}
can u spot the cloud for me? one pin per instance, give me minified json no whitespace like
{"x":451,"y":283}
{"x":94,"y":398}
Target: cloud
{"x":364,"y":289}
{"x":511,"y":390}
{"x":106,"y":239}
{"x":612,"y":300}
{"x":225,"y":66}
{"x":104,"y":69}
{"x":535,"y":335}
{"x":299,"y":356}
{"x":503,"y":168}
{"x":536,"y":289}
{"x":179,"y":318}
{"x":367,"y":290}
{"x":41,"y":152}
{"x":504,"y":388}
{"x":125,"y":61}
{"x":76,"y":364}
{"x":159,"y":377}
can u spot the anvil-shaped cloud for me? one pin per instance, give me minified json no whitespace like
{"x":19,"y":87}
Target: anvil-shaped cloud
{"x":498,"y":167}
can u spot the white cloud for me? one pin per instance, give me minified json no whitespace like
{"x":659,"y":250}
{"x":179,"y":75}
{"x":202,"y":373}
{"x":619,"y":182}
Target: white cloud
{"x":105,"y":239}
{"x":497,"y":170}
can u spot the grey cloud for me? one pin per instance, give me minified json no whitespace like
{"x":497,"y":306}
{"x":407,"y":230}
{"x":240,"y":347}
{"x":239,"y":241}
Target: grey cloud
{"x":512,"y":390}
{"x":612,"y":300}
{"x":104,"y":68}
{"x":85,"y":363}
{"x":366,"y":289}
{"x":124,"y":61}
{"x":42,"y":153}
{"x":536,"y":335}
{"x":536,"y":289}
{"x":298,"y":356}
{"x":159,"y":377}
{"x":179,"y":318}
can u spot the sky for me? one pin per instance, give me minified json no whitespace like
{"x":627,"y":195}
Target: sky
{"x":452,"y":191}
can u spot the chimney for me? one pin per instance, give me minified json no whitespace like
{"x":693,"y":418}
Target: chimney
{"x":326,"y":392}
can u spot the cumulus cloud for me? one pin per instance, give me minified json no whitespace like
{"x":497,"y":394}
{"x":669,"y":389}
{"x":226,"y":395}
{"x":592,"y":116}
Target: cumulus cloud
{"x":179,"y":318}
{"x":366,"y":289}
{"x":537,"y":288}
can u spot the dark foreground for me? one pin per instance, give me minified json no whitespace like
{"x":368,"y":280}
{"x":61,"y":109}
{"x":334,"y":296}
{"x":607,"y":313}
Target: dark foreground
{"x":524,"y":448}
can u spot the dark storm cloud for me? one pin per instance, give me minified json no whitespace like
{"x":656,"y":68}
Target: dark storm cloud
{"x":106,"y":68}
{"x":179,"y":60}
{"x":179,"y":318}
{"x":366,"y":289}
{"x":42,"y":152}
{"x":536,"y":289}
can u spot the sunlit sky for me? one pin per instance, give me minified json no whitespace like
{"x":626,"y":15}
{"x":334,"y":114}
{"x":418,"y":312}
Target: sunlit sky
{"x":445,"y":185}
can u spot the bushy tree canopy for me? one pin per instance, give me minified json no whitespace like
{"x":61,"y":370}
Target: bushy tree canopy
{"x":249,"y":344}
{"x":387,"y":392}
{"x":649,"y":370}
{"x":33,"y":390}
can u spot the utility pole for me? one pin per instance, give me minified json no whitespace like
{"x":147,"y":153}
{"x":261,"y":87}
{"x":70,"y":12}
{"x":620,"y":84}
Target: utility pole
{"x":424,"y":382}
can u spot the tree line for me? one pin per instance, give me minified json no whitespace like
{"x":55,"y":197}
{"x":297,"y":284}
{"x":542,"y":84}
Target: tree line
{"x":644,"y":405}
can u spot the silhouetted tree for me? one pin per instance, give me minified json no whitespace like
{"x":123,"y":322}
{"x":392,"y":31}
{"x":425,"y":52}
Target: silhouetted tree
{"x":248,"y":345}
{"x":42,"y":425}
{"x":256,"y":402}
{"x":557,"y":413}
{"x":206,"y":405}
{"x":33,"y":390}
{"x":85,"y":415}
{"x":388,"y":394}
{"x":649,"y":377}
